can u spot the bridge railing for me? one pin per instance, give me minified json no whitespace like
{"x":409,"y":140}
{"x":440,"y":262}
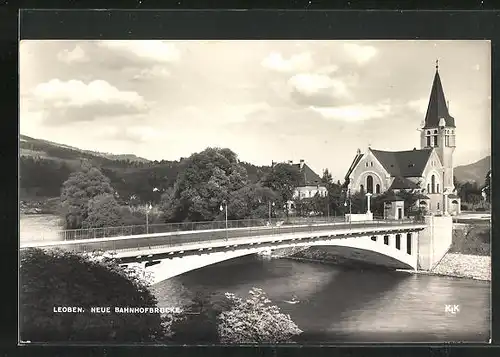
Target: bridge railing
{"x":186,"y":238}
{"x":124,"y":231}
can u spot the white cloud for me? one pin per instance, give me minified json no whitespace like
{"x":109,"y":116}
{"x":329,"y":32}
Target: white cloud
{"x":328,"y":69}
{"x":151,"y":73}
{"x":74,"y":101}
{"x":361,"y":54}
{"x":75,"y":93}
{"x":353,"y":113}
{"x":299,"y":62}
{"x":155,"y":50}
{"x":311,"y":83}
{"x":419,"y":105}
{"x":77,"y":55}
{"x":240,"y":113}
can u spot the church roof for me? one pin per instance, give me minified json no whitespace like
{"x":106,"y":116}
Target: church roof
{"x":307,"y":176}
{"x":355,"y":162}
{"x":402,"y":183}
{"x":437,"y":108}
{"x":409,"y":163}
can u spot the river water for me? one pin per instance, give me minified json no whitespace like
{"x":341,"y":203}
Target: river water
{"x":335,"y":304}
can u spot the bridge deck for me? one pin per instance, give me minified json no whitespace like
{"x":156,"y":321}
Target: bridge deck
{"x":177,"y":241}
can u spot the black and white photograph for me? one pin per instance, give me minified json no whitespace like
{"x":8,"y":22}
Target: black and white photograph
{"x":261,"y":192}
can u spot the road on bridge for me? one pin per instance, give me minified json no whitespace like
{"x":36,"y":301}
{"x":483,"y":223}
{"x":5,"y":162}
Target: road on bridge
{"x":184,"y":238}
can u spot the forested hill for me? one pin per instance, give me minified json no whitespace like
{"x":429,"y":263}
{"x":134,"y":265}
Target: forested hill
{"x":45,"y":165}
{"x":475,"y":172}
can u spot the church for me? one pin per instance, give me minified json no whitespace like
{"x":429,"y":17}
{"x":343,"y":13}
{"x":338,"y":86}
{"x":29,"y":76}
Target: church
{"x":427,"y":171}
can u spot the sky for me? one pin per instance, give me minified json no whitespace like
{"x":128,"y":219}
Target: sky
{"x":266,"y":100}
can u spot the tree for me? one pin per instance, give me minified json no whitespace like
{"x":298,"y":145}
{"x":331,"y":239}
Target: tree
{"x":51,"y":279}
{"x":78,"y":190}
{"x":255,"y":320}
{"x":282,"y":179}
{"x":103,"y":211}
{"x":474,"y":198}
{"x":204,"y":182}
{"x":304,"y":206}
{"x":251,"y":201}
{"x":486,"y":187}
{"x":326,"y":179}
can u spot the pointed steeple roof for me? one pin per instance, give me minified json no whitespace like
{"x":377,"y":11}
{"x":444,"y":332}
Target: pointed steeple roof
{"x":437,"y":108}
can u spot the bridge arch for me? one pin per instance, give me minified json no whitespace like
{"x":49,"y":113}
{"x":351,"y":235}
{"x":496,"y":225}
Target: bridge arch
{"x":381,"y":251}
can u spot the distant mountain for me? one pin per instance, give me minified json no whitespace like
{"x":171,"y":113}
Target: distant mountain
{"x":475,"y":172}
{"x":48,"y":149}
{"x":45,"y":165}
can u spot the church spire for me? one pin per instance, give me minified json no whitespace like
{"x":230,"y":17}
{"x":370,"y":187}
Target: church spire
{"x":437,"y":108}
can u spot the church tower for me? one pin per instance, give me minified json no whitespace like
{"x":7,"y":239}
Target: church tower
{"x":439,"y":129}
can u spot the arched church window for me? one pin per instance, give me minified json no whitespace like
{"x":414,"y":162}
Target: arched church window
{"x":435,"y":140}
{"x":377,"y":188}
{"x":428,"y":132}
{"x":371,"y":163}
{"x":433,"y":184}
{"x":428,"y":188}
{"x":428,"y":140}
{"x":366,"y":164}
{"x":369,"y":184}
{"x":437,"y":188}
{"x":435,"y":131}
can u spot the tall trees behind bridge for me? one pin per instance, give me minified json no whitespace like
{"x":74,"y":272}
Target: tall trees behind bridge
{"x":204,"y":183}
{"x":86,"y":198}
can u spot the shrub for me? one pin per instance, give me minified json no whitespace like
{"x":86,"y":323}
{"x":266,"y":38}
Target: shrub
{"x":56,"y":279}
{"x":255,"y":320}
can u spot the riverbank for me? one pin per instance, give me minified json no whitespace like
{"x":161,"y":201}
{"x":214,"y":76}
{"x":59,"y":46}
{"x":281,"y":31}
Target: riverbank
{"x":48,"y":205}
{"x":454,"y":264}
{"x":468,"y":266}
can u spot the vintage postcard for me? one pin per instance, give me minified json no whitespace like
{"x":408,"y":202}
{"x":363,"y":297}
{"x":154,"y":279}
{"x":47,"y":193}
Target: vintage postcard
{"x":254,"y":192}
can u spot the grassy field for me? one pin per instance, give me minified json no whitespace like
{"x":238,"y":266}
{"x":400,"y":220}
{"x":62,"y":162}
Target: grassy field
{"x":473,"y":238}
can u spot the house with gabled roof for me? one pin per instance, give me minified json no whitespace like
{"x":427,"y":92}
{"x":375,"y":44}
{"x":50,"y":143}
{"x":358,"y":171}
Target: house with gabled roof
{"x":308,"y":186}
{"x":309,"y":183}
{"x":427,"y":171}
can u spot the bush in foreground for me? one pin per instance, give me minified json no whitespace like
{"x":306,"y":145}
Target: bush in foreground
{"x":61,"y":279}
{"x":255,"y":320}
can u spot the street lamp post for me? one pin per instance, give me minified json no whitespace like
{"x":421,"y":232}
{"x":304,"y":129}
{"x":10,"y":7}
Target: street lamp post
{"x":221,"y":208}
{"x":148,"y":208}
{"x":328,"y":206}
{"x":270,"y":204}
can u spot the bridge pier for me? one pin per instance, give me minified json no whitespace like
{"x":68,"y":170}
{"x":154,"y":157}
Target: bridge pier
{"x":434,"y":241}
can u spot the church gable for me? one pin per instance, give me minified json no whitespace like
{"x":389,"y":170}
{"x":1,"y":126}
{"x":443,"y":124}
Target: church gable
{"x":367,"y":174}
{"x":432,"y":168}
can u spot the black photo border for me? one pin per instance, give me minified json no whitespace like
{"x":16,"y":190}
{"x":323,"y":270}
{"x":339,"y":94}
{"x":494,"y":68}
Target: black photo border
{"x":306,"y":21}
